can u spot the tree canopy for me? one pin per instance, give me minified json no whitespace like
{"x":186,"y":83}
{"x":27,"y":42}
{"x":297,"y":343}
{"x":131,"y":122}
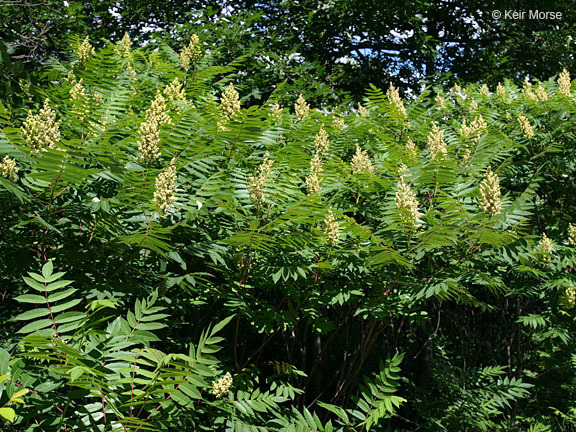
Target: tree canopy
{"x":344,"y":44}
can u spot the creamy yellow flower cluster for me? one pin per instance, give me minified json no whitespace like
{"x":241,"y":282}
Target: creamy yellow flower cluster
{"x":41,"y":131}
{"x":302,"y":108}
{"x":257,"y":181}
{"x":314,"y":179}
{"x":191,"y":53}
{"x":331,"y":229}
{"x":175,"y":91}
{"x":229,"y":107}
{"x":156,"y":116}
{"x":361,"y":162}
{"x":490,"y":202}
{"x":436,"y":142}
{"x":85,"y":50}
{"x":406,"y":203}
{"x":124,"y":47}
{"x":8,"y":168}
{"x":539,"y":96}
{"x":81,"y":99}
{"x":165,"y":191}
{"x":221,"y":387}
{"x":394,"y":97}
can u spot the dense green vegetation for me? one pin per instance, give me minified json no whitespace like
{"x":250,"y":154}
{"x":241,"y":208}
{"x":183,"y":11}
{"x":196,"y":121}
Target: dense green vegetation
{"x":183,"y":250}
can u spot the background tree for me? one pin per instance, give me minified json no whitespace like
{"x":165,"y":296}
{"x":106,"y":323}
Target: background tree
{"x":347,"y":42}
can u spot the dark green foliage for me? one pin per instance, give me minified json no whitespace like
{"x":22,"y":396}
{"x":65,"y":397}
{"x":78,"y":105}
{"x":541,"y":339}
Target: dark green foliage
{"x":123,"y":315}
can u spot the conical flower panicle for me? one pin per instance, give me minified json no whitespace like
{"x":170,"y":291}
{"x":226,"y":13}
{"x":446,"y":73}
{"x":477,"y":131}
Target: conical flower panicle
{"x":546,"y":246}
{"x":165,"y":192}
{"x":124,"y":47}
{"x":564,"y":83}
{"x":41,"y":131}
{"x":411,"y":149}
{"x":461,"y":94}
{"x":8,"y":168}
{"x":527,"y":91}
{"x":440,"y":102}
{"x":79,"y":96}
{"x":229,"y":106}
{"x":572,"y":234}
{"x":315,"y":177}
{"x":490,"y":202}
{"x":257,"y":181}
{"x":436,"y":142}
{"x":475,"y":130}
{"x":149,"y":130}
{"x":301,"y":108}
{"x":403,"y":170}
{"x":266,"y":166}
{"x":339,"y":122}
{"x":148,"y":149}
{"x":394,"y":97}
{"x":407,"y":204}
{"x":541,"y":93}
{"x":192,"y":53}
{"x":276,"y":112}
{"x":85,"y":50}
{"x":126,"y":44}
{"x":331,"y":229}
{"x":501,"y":92}
{"x":132,"y":73}
{"x":78,"y":91}
{"x":361,"y":162}
{"x":478,"y":125}
{"x":174,"y":91}
{"x":568,"y":299}
{"x":221,"y":387}
{"x":158,"y":111}
{"x":321,"y":141}
{"x":525,"y":126}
